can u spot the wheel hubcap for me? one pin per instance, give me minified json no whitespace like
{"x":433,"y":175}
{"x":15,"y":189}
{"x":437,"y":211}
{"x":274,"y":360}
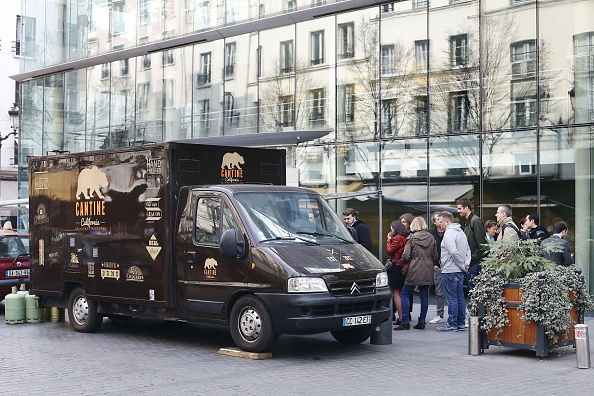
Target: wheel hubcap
{"x":250,"y":324}
{"x":80,"y":310}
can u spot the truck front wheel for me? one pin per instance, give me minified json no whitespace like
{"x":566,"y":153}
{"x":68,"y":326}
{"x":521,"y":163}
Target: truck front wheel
{"x":251,"y":325}
{"x":82,"y":312}
{"x":353,"y":336}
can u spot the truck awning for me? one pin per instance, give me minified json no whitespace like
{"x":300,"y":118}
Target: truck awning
{"x":267,"y":139}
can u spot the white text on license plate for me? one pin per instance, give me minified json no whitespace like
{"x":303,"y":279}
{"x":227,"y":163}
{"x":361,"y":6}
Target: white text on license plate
{"x":356,"y":320}
{"x":21,"y":272}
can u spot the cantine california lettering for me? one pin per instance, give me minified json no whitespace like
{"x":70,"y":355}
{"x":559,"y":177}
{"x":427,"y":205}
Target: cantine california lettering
{"x":232,"y":173}
{"x":90,"y":208}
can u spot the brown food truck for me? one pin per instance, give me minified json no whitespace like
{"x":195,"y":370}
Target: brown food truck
{"x":198,"y":233}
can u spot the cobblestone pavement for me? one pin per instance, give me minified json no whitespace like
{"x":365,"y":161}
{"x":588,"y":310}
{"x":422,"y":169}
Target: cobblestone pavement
{"x":146,"y":357}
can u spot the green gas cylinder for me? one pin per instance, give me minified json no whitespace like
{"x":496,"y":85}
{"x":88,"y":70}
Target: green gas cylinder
{"x":14,"y":307}
{"x":33,"y":313}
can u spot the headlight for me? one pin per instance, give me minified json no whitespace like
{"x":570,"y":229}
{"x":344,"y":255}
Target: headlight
{"x":306,"y":285}
{"x":381,"y":279}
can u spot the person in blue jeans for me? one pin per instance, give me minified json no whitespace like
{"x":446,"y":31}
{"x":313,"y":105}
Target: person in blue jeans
{"x":420,"y":252}
{"x":455,"y":261}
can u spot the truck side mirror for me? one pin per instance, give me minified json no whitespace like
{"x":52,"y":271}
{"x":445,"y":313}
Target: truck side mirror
{"x":229,"y":246}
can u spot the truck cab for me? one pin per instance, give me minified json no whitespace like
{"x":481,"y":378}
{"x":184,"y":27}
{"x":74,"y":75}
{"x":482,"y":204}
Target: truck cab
{"x":269,"y":260}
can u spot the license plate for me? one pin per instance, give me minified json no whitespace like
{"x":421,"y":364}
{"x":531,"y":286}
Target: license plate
{"x":21,"y":272}
{"x":356,"y":320}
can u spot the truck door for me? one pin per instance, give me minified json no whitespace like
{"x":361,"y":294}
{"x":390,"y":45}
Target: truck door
{"x":210,"y":278}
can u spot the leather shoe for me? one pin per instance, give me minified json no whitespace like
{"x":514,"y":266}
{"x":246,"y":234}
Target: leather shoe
{"x":403,"y":326}
{"x":419,"y":326}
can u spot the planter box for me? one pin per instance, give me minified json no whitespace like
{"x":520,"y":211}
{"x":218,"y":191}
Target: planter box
{"x":525,"y":335}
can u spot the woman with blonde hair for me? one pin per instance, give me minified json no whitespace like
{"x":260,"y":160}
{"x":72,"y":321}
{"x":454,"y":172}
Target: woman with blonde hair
{"x":420,"y":253}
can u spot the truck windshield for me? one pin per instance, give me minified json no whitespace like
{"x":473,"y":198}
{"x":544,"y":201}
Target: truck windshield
{"x":298,"y":217}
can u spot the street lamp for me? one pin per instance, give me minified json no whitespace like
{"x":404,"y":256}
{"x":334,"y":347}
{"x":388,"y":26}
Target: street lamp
{"x":13,"y":113}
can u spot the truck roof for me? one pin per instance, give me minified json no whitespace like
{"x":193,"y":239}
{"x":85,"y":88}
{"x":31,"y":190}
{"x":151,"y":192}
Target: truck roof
{"x":238,"y":188}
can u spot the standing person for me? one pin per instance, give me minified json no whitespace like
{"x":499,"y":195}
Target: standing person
{"x":437,"y":232}
{"x":506,"y":228}
{"x":491,"y":229}
{"x":395,"y":249}
{"x":560,"y":258}
{"x":406,"y":219}
{"x":475,"y":234}
{"x":524,"y":228}
{"x":535,"y":230}
{"x":351,"y":218}
{"x":455,"y":260}
{"x":420,"y":252}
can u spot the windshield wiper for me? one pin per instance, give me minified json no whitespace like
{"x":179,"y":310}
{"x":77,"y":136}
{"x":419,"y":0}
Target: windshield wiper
{"x":325,"y":234}
{"x":289,"y":238}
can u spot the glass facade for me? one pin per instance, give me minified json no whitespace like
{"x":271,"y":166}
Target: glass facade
{"x":428,"y":101}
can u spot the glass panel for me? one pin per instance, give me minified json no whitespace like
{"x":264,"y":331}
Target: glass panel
{"x":75,"y":107}
{"x":510,"y":171}
{"x":277,"y":82}
{"x":98,"y":106}
{"x":509,"y":38}
{"x":177,"y":83}
{"x":33,"y":36}
{"x":455,"y":171}
{"x":357,"y":71}
{"x":454,"y":59}
{"x":236,"y":103}
{"x":53,"y":120}
{"x":149,"y":98}
{"x":315,"y":79}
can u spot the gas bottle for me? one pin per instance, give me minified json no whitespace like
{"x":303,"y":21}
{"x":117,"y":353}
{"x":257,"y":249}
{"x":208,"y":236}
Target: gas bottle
{"x":14,"y":307}
{"x":33,"y":314}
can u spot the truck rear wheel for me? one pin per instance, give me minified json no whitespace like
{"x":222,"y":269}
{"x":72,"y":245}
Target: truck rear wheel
{"x":353,"y":336}
{"x":82,"y":312}
{"x":251,"y":325}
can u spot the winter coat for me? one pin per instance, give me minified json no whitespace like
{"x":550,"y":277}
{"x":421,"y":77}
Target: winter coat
{"x":538,"y":232}
{"x":475,"y":233}
{"x":395,"y":247}
{"x":455,"y":252}
{"x":438,"y":239}
{"x":363,"y":233}
{"x":509,"y":232}
{"x":420,"y":252}
{"x":560,"y":258}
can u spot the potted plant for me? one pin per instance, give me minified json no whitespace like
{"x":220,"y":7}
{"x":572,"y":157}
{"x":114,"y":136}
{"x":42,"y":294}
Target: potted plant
{"x":525,"y":300}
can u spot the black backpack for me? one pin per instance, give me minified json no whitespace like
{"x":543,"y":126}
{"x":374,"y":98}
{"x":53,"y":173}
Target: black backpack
{"x":521,"y":234}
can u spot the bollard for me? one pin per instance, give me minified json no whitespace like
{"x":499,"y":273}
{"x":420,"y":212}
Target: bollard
{"x":474,"y":336}
{"x":382,"y":333}
{"x":582,"y":346}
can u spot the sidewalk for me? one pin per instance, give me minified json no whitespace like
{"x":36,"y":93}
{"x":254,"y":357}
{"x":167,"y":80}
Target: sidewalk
{"x":152,"y":357}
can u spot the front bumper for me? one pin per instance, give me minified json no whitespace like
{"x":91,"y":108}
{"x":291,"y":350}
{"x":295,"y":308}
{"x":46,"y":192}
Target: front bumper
{"x":310,"y":313}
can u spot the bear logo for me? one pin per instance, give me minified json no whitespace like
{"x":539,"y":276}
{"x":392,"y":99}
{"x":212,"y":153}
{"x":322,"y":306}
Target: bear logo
{"x":90,"y":181}
{"x":210,"y":263}
{"x":232,"y":161}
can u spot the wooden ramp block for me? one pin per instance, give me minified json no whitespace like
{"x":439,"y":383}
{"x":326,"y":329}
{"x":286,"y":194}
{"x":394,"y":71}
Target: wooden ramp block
{"x":243,"y":354}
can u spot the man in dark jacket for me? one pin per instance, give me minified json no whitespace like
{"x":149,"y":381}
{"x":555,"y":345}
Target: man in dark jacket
{"x":561,"y":258}
{"x":351,"y":218}
{"x":477,"y":237}
{"x":536,"y":231}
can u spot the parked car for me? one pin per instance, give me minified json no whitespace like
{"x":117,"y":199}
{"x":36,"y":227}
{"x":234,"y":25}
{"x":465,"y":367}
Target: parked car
{"x":14,"y":261}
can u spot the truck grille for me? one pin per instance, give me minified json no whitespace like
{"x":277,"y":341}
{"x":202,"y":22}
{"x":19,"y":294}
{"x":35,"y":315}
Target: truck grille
{"x":348,"y":288}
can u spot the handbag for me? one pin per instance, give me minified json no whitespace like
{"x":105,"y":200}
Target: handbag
{"x":389,"y":265}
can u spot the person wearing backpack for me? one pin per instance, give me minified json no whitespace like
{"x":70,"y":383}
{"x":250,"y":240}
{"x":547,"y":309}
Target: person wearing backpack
{"x":505,"y":224}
